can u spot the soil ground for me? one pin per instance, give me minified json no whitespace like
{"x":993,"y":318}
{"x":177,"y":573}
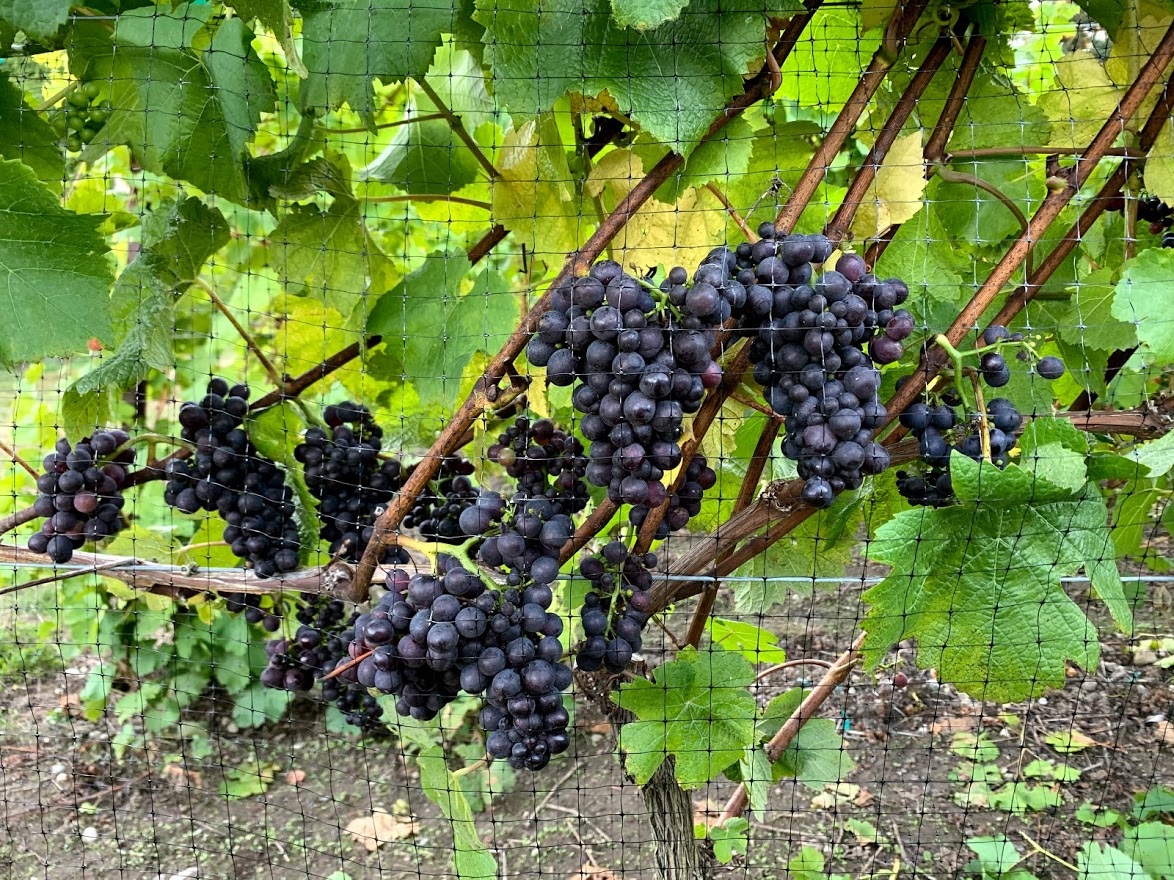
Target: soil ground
{"x":68,"y":809}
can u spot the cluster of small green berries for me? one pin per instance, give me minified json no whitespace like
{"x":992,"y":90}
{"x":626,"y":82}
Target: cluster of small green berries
{"x":78,"y":122}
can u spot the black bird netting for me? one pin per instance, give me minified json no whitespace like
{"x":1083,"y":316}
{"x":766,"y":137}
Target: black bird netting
{"x":587,"y":439}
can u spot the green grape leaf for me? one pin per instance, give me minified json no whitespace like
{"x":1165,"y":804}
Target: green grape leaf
{"x":1156,"y":455}
{"x":1099,"y":861}
{"x":24,"y":135}
{"x":278,"y":17}
{"x":729,"y":839}
{"x":40,"y":19}
{"x":835,"y":45}
{"x":673,"y":79}
{"x":935,"y":273}
{"x":817,"y":757}
{"x":978,"y":584}
{"x":995,"y":114}
{"x":807,"y":864}
{"x":471,"y":858}
{"x":329,"y":254}
{"x":1089,"y":321}
{"x":54,"y":274}
{"x":822,"y":546}
{"x":185,"y":106}
{"x":1143,"y":300}
{"x":996,"y":855}
{"x":424,"y":158}
{"x":645,"y":14}
{"x":1081,"y":98}
{"x":177,"y":239}
{"x":722,"y":159}
{"x":757,"y":776}
{"x":755,"y":644}
{"x":432,"y":332}
{"x":276,"y":432}
{"x":974,"y":215}
{"x":258,"y":705}
{"x":535,"y":198}
{"x":346,"y":43}
{"x":1055,"y":451}
{"x":696,"y":709}
{"x":1151,"y":845}
{"x":1156,"y":801}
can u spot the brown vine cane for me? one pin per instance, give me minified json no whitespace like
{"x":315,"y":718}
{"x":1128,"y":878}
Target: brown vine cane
{"x":935,"y":146}
{"x":1053,"y":204}
{"x":1046,"y":215}
{"x":486,"y":389}
{"x":882,"y":62}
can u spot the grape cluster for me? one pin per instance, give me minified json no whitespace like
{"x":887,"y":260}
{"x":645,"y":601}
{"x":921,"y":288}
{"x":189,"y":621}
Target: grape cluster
{"x":444,"y":633}
{"x":615,"y":612}
{"x":545,"y":461}
{"x":294,"y":663}
{"x":320,"y":644}
{"x":229,"y":476}
{"x":1156,"y":213}
{"x":437,"y":511}
{"x":78,"y":123}
{"x":80,"y":494}
{"x":639,"y":368}
{"x":942,"y":428}
{"x":809,"y":356}
{"x":685,"y":503}
{"x":344,"y":472}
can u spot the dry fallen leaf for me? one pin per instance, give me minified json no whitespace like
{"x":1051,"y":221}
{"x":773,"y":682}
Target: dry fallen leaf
{"x":380,"y":828}
{"x":181,"y":778}
{"x":1164,"y":731}
{"x":707,"y":812}
{"x":295,"y":777}
{"x":952,"y":724}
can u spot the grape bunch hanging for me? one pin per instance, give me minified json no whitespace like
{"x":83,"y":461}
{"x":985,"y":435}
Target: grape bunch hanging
{"x":229,"y":476}
{"x":80,"y":494}
{"x":942,"y":426}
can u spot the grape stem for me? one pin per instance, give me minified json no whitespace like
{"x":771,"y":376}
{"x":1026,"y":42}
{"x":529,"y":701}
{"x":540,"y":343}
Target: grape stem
{"x":350,"y":664}
{"x":955,"y":357}
{"x":151,"y":440}
{"x":984,"y":428}
{"x":472,"y":768}
{"x":16,"y":459}
{"x":791,"y":664}
{"x":58,"y":97}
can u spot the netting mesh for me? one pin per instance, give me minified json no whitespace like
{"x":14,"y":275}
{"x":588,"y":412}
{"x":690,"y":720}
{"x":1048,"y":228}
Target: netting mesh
{"x":908,"y":610}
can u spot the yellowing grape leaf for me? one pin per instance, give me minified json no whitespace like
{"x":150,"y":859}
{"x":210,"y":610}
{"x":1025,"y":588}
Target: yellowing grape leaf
{"x":896,"y":193}
{"x":534,"y":198}
{"x":660,"y":233}
{"x":1082,"y":97}
{"x":1159,"y":166}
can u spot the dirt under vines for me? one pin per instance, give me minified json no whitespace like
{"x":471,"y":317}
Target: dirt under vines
{"x":156,"y":816}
